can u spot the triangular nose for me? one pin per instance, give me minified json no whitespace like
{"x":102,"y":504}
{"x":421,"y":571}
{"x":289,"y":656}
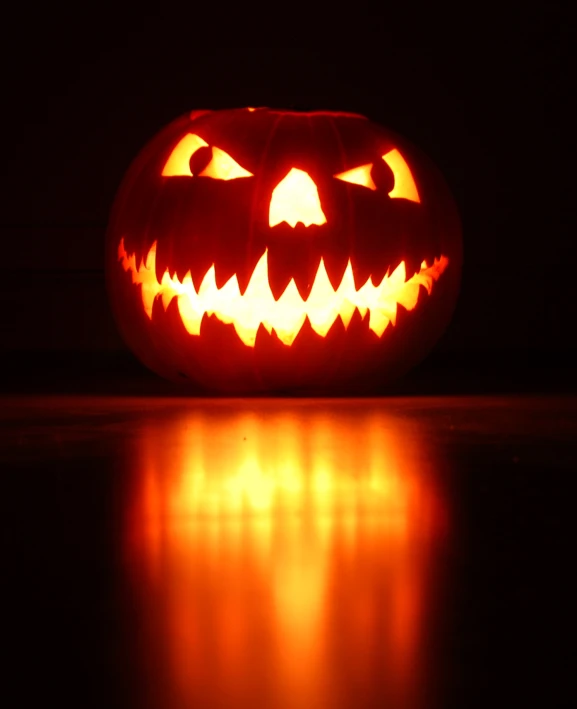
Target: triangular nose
{"x":296,"y":199}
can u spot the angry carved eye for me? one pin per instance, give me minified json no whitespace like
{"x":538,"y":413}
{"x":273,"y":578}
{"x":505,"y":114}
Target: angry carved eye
{"x":359,"y":176}
{"x":404,"y":187}
{"x":223,"y":167}
{"x":220,"y":167}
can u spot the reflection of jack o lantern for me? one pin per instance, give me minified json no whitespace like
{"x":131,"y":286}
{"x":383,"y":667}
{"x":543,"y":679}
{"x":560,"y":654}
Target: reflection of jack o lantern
{"x":266,"y":250}
{"x":285,"y":555}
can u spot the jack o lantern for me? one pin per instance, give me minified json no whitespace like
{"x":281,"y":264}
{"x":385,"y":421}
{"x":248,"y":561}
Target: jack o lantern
{"x":255,"y":250}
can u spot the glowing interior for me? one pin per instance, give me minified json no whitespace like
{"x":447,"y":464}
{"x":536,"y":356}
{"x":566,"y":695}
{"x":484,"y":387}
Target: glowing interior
{"x":359,"y":176}
{"x":286,"y":315}
{"x":405,"y":186}
{"x":220,"y":167}
{"x":296,"y":199}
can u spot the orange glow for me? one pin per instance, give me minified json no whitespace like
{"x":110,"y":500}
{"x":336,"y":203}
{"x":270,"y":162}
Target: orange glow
{"x":297,"y":543}
{"x":286,"y":315}
{"x":359,"y":176}
{"x":178,"y":162}
{"x":405,"y":186}
{"x":223,"y":167}
{"x":296,"y":199}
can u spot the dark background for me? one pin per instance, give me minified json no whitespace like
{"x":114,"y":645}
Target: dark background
{"x":485,"y":91}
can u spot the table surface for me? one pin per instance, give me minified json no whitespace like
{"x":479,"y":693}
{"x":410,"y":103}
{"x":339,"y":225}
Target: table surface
{"x":384,"y":552}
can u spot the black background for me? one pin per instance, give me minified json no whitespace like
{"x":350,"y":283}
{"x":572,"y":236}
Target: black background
{"x":484,"y":90}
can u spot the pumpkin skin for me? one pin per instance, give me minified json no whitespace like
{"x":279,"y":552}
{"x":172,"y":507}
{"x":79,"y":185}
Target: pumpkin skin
{"x":327,"y":208}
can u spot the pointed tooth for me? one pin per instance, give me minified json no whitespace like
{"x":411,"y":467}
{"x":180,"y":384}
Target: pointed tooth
{"x":198,"y":272}
{"x":278,"y":277}
{"x":397,"y":277}
{"x":388,"y":308}
{"x":191,"y":252}
{"x":379,"y":271}
{"x":425,"y":281}
{"x":362,"y":268}
{"x":408,"y":295}
{"x":147,"y":260}
{"x":148,"y":294}
{"x":230,"y":247}
{"x":305,"y":272}
{"x":378,"y":322}
{"x":281,"y":266}
{"x":223,"y":272}
{"x":429,"y":256}
{"x":383,"y":256}
{"x":347,"y":312}
{"x":187,"y":280}
{"x":208,"y":284}
{"x":181,"y":271}
{"x":402,"y":315}
{"x":191,"y":318}
{"x":388,"y":255}
{"x":246,"y":268}
{"x":412,"y":266}
{"x":161,"y":261}
{"x":303,"y":255}
{"x":167,"y":295}
{"x":336,"y":264}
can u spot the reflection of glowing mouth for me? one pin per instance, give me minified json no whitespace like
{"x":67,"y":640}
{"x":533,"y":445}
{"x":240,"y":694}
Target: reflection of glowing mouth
{"x":246,"y":312}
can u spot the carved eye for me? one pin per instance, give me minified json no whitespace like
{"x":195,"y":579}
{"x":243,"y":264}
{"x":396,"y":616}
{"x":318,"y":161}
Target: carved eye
{"x":405,"y":186}
{"x":359,"y":176}
{"x":220,"y":167}
{"x":223,"y":167}
{"x":179,"y":161}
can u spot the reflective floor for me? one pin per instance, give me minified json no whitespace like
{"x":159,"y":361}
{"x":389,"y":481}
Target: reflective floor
{"x":401,"y":552}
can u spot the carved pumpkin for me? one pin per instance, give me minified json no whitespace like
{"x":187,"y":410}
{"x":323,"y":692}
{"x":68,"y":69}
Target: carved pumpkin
{"x":264,"y":250}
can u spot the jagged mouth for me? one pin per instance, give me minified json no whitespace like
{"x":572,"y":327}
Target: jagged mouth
{"x":286,"y":315}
